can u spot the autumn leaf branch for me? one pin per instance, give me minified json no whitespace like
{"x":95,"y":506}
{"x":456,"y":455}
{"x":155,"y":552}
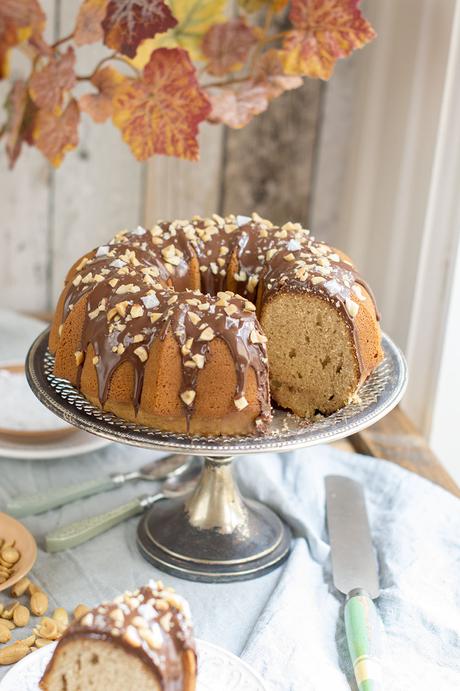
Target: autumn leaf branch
{"x":184,"y":63}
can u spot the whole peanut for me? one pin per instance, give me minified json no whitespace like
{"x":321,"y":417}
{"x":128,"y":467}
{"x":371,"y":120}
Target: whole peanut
{"x":20,"y":587}
{"x":12,"y":653}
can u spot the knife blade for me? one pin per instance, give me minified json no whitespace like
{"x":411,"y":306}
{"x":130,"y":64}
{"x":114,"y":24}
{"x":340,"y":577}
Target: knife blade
{"x":355,"y":573}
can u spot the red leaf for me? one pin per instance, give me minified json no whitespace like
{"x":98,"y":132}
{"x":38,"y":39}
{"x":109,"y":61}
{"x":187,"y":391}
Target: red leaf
{"x":227,"y":45}
{"x":99,"y":106}
{"x":47,"y":87}
{"x":18,"y":19}
{"x":323,"y":33}
{"x":21,"y":113}
{"x":237,"y":107}
{"x":159,"y":113}
{"x":269,"y":71}
{"x":128,"y":22}
{"x":56,"y":134}
{"x":88,"y":28}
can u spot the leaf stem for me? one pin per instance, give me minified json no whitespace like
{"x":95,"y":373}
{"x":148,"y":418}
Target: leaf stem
{"x":217,"y":85}
{"x":113,"y":56}
{"x":62,"y":40}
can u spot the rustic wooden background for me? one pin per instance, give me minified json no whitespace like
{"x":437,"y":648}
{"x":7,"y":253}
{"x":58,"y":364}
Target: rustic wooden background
{"x":287,"y":164}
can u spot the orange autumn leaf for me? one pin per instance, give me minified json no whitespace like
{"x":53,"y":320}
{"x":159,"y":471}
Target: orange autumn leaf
{"x":55,"y":133}
{"x":18,"y":20}
{"x":226,"y":46}
{"x":159,"y":113}
{"x":48,"y":85}
{"x":19,"y":125}
{"x":269,"y":71}
{"x":128,"y":22}
{"x":237,"y":107}
{"x":324,"y":31}
{"x":99,"y":106}
{"x":256,"y":5}
{"x":88,"y":28}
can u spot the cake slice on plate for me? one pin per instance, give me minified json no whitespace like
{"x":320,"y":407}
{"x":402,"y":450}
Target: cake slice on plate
{"x":141,"y":640}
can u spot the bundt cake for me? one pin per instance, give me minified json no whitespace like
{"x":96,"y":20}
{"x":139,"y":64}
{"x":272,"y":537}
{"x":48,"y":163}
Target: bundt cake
{"x":142,"y":640}
{"x":191,"y":326}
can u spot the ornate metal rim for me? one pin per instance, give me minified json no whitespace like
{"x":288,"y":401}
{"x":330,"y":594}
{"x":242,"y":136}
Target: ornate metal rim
{"x":378,"y":395}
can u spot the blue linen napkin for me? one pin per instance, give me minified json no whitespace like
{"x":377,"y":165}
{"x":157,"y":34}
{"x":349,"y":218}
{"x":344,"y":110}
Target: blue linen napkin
{"x":288,"y":625}
{"x":298,"y":643}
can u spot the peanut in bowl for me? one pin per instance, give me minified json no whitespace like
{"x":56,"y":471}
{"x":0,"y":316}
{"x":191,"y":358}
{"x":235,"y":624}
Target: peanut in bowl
{"x":18,"y":551}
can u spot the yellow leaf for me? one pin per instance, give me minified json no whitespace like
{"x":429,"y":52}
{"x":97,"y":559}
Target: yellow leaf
{"x":194,"y":17}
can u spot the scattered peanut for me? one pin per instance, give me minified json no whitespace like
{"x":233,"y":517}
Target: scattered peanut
{"x":6,"y":622}
{"x":13,"y":653}
{"x":14,"y":614}
{"x":8,"y":613}
{"x":21,"y":615}
{"x":39,"y":603}
{"x":19,"y":588}
{"x":60,"y":615}
{"x":41,"y":642}
{"x":5,"y":634}
{"x":30,"y":640}
{"x":34,"y":588}
{"x":48,"y":628}
{"x":80,"y":610}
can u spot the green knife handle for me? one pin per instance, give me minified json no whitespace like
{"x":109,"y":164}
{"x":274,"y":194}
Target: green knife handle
{"x":75,"y":533}
{"x":364,"y":637}
{"x":26,"y":505}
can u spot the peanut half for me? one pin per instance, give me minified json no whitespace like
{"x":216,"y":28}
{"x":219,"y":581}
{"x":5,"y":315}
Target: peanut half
{"x":62,"y":618}
{"x":48,"y":628}
{"x":21,"y":615}
{"x":80,"y":610}
{"x":5,"y":634}
{"x":39,"y":603}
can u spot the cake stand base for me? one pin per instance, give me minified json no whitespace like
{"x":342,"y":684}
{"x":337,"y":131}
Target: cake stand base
{"x":214,"y":535}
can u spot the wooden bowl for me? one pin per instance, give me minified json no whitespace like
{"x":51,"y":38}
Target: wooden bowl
{"x":32,"y":435}
{"x":11,"y":529}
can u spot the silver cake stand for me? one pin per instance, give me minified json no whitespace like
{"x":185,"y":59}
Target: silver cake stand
{"x":214,"y":534}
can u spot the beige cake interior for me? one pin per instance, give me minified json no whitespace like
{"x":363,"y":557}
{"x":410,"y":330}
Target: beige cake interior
{"x":99,"y":666}
{"x":303,"y":377}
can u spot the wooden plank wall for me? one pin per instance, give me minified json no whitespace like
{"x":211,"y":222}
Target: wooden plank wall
{"x":49,"y":217}
{"x":266,"y":167}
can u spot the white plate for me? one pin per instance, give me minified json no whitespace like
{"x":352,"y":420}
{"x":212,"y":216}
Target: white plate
{"x":218,"y":670}
{"x":72,"y":445}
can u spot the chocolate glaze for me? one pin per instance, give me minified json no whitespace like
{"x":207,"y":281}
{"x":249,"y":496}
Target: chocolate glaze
{"x":142,"y":286}
{"x":152,"y":622}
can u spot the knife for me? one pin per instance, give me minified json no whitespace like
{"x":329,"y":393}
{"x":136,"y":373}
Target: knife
{"x":355,"y":574}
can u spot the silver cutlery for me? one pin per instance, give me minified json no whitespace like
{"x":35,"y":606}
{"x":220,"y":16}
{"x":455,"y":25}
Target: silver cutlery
{"x":178,"y":483}
{"x":27,"y":505}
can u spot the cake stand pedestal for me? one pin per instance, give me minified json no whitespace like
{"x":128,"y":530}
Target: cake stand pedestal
{"x":214,"y":534}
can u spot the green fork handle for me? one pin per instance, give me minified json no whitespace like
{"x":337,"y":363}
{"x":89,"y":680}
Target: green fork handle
{"x":28,"y":504}
{"x":364,"y":637}
{"x":78,"y":532}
